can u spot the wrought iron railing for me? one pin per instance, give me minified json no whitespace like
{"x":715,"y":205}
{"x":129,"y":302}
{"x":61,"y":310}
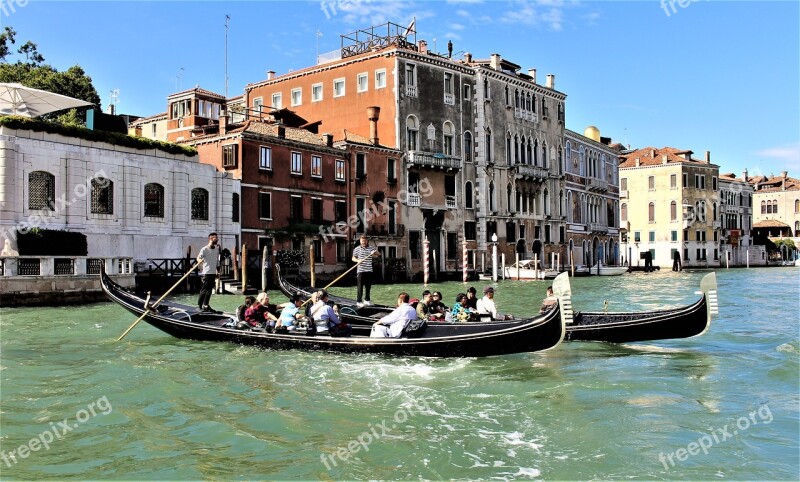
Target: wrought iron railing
{"x":434,"y":160}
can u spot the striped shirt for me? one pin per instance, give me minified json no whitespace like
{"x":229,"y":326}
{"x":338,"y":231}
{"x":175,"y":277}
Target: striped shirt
{"x":360,"y":253}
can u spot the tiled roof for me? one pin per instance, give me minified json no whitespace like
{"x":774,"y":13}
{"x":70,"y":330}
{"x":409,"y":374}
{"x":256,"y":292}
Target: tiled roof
{"x":197,"y":90}
{"x":775,"y":183}
{"x":142,"y":120}
{"x":293,"y":134}
{"x":770,"y":223}
{"x":345,"y":136}
{"x":646,"y":157}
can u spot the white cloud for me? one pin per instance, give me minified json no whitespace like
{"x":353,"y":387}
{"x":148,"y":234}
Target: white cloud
{"x":452,"y":36}
{"x":457,"y":26}
{"x":546,"y":13}
{"x":786,"y":156}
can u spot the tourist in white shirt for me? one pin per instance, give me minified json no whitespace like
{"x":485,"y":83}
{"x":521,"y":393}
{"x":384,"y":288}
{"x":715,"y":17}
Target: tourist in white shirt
{"x":486,"y":304}
{"x":393,"y":324}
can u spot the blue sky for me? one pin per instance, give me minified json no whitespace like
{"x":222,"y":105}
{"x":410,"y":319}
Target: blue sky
{"x":709,"y":75}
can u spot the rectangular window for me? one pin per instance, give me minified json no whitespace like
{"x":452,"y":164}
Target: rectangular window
{"x":651,"y":183}
{"x":317,"y":243}
{"x":338,"y":87}
{"x":361,"y":208}
{"x":277,"y":101}
{"x":341,"y":251}
{"x":697,"y":235}
{"x":511,"y":231}
{"x":339,"y":170}
{"x":470,"y":231}
{"x":452,"y":246}
{"x":316,"y":210}
{"x":448,"y":83}
{"x":673,"y":181}
{"x":229,"y":155}
{"x":380,"y":79}
{"x":265,"y":205}
{"x":652,"y":236}
{"x":316,"y":166}
{"x":297,"y":97}
{"x":392,"y":217}
{"x":547,"y":233}
{"x":411,"y":77}
{"x":297,"y":163}
{"x":265,"y":158}
{"x":714,"y":185}
{"x":674,"y":236}
{"x":258,"y":105}
{"x":363,"y":83}
{"x":235,"y":208}
{"x":637,"y":237}
{"x":316,"y":92}
{"x":296,"y":209}
{"x":361,"y":165}
{"x":623,"y":184}
{"x":467,"y":92}
{"x":341,"y":211}
{"x":685,"y":180}
{"x":414,"y":244}
{"x":391,"y":172}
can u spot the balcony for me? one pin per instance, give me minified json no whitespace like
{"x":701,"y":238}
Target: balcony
{"x":449,"y":99}
{"x":411,"y":90}
{"x":398,"y":230}
{"x":598,"y":228}
{"x":598,"y":185}
{"x":433,"y":160}
{"x":716,"y":225}
{"x":450,"y":202}
{"x":533,"y":172}
{"x":413,"y":199}
{"x":623,"y":193}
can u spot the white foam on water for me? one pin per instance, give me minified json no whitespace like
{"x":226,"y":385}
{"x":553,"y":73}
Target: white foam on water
{"x":528,"y":472}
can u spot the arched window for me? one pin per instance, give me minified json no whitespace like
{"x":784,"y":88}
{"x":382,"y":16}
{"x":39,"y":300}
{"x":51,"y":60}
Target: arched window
{"x":673,"y":211}
{"x":492,"y":200}
{"x":516,"y":149}
{"x":651,"y":212}
{"x":41,"y":190}
{"x":154,"y":200}
{"x":516,"y":98}
{"x":448,"y":131}
{"x":199,"y":204}
{"x":412,"y":133}
{"x":582,"y":161}
{"x":763,"y":207}
{"x":714,"y":212}
{"x":569,"y":157}
{"x":468,"y":147}
{"x":508,"y":97}
{"x":774,"y":207}
{"x":560,"y":203}
{"x":797,"y":205}
{"x":545,"y":202}
{"x":102,"y":196}
{"x":468,"y":195}
{"x":560,"y":161}
{"x":529,"y":151}
{"x":508,"y":149}
{"x":545,"y":162}
{"x":523,"y":150}
{"x":536,"y":152}
{"x":509,"y":199}
{"x":488,"y":148}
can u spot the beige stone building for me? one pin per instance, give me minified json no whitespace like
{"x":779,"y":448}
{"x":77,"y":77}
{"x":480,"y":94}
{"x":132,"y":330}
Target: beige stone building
{"x":669,"y":206}
{"x":776,"y":206}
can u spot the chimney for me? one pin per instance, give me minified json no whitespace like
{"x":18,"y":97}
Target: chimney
{"x":270,"y":74}
{"x":708,"y":157}
{"x":551,"y":81}
{"x":137,"y":131}
{"x":422,"y":46}
{"x":653,"y":153}
{"x":373,"y":114}
{"x":281,"y":131}
{"x":784,"y":174}
{"x":744,"y":175}
{"x":494,"y":62}
{"x":223,"y":123}
{"x":532,"y":73}
{"x":112,"y":109}
{"x":638,"y":162}
{"x":328,"y":138}
{"x":664,"y":159}
{"x":467,"y":58}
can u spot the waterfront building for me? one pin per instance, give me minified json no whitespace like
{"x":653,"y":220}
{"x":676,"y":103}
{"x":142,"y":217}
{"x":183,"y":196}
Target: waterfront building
{"x":669,"y":206}
{"x":152,"y":127}
{"x":736,"y":217}
{"x":132,"y":203}
{"x":776,"y":207}
{"x":592,"y":199}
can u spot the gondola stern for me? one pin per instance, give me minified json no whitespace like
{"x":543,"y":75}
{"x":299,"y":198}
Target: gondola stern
{"x":708,"y":288}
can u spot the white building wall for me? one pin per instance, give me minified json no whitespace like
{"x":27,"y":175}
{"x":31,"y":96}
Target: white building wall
{"x":126,"y":232}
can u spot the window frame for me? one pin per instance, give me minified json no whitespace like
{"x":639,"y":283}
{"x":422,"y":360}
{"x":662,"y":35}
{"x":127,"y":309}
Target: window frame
{"x":265,"y":161}
{"x":318,"y":88}
{"x":339,"y":170}
{"x":339,"y":81}
{"x":298,"y":157}
{"x":296,"y":90}
{"x":380,"y":85}
{"x":365,"y":77}
{"x":268,"y":195}
{"x":317,"y":168}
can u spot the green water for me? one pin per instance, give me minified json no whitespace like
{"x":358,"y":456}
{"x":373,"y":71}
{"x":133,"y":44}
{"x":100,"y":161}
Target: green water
{"x":172,"y":409}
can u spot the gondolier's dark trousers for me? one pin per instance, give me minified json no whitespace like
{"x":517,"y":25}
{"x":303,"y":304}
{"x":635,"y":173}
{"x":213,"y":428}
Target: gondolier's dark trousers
{"x":209,"y":283}
{"x":364,"y":283}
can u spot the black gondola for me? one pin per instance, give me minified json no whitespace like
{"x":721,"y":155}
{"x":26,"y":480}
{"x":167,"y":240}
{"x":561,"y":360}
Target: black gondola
{"x":464,"y":340}
{"x":683,"y":322}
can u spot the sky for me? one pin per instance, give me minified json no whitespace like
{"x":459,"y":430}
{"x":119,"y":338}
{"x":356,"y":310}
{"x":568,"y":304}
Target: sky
{"x":703,"y":75}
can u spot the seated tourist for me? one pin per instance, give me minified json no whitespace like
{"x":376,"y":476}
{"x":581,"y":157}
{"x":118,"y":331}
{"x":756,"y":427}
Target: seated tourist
{"x":460,"y":312}
{"x":438,"y":309}
{"x":549,"y":302}
{"x":257,"y":314}
{"x":471,"y":302}
{"x":248,"y":301}
{"x":487,"y":307}
{"x":324,"y":314}
{"x":424,"y":305}
{"x":393,"y":324}
{"x":290,"y":315}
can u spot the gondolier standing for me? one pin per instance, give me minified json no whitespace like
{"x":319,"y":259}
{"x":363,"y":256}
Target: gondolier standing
{"x":209,"y":256}
{"x":364,"y":271}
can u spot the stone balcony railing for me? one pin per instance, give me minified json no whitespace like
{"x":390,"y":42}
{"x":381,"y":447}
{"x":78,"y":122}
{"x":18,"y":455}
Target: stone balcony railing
{"x":62,"y":265}
{"x":450,"y":202}
{"x":623,"y":193}
{"x":598,"y":227}
{"x":433,"y":160}
{"x":596,"y":184}
{"x":413,"y":199}
{"x":411,"y":90}
{"x":535,"y":172}
{"x":449,"y":99}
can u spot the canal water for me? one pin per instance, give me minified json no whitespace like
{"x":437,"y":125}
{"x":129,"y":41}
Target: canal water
{"x":77,"y":404}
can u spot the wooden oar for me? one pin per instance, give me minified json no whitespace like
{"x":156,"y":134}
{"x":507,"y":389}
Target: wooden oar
{"x":340,"y":277}
{"x":147,"y":309}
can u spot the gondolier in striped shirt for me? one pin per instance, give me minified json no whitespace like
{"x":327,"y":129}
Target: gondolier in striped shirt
{"x":364,"y":270}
